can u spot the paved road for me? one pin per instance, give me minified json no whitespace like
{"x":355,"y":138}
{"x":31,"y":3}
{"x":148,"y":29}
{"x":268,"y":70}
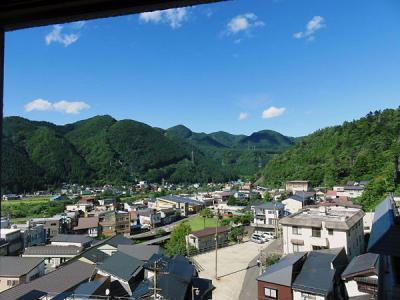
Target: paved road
{"x":154,"y":231}
{"x":249,"y":288}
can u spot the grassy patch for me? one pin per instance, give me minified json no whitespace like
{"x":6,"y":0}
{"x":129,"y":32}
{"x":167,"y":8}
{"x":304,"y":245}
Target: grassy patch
{"x":23,"y":202}
{"x":197,"y":223}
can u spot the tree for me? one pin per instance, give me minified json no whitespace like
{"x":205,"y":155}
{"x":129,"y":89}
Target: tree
{"x":177,"y":243}
{"x":236,"y":234}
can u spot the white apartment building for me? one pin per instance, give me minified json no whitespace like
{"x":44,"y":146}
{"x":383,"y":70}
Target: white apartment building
{"x":266,"y":216}
{"x":324,"y":227}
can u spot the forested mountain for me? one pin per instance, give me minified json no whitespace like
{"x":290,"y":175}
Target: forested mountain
{"x":102,"y":149}
{"x":365,"y":149}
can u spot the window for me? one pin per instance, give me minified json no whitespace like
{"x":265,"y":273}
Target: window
{"x":12,"y":282}
{"x":296,"y":230}
{"x":271,"y":293}
{"x":330,"y":231}
{"x":296,"y":248}
{"x":316,"y":232}
{"x":305,"y":296}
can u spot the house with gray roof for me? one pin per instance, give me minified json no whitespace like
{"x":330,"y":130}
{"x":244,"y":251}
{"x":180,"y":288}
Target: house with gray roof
{"x":185,"y":205}
{"x":53,"y":255}
{"x":276,"y":282}
{"x":62,"y":280}
{"x":16,"y":270}
{"x":79,"y":240}
{"x":319,"y":278}
{"x":125,"y":269}
{"x":266,"y":216}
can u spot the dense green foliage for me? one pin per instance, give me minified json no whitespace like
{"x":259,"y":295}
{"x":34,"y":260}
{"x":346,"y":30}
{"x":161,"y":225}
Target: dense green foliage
{"x":38,"y":155}
{"x":32,"y":208}
{"x":177,"y":243}
{"x":366,"y":149}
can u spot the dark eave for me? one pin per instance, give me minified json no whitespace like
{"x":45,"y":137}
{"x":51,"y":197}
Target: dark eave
{"x":19,"y":14}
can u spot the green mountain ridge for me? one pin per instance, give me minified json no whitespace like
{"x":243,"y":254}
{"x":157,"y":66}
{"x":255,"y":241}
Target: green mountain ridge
{"x":364,"y":149}
{"x":102,"y":150}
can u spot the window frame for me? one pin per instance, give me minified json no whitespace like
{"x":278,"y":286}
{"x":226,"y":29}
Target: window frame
{"x":270,"y":294}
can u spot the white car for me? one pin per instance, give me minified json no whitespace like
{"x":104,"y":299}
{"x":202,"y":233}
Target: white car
{"x":260,"y":236}
{"x":256,"y":240}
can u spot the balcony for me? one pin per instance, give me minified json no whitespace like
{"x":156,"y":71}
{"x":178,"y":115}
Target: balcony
{"x":319,"y":241}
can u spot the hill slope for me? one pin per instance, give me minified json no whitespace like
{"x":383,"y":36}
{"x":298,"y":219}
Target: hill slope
{"x":103,"y":150}
{"x":366,"y":149}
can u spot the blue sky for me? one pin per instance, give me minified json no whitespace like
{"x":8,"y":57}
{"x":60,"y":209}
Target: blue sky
{"x":238,"y":66}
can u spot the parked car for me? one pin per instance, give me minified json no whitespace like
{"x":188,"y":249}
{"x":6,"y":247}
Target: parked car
{"x":260,"y":236}
{"x":256,"y":240}
{"x":269,"y":235}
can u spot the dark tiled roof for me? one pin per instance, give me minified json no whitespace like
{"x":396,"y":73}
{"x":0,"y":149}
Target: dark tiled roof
{"x":90,"y":288}
{"x":362,"y":264}
{"x":63,"y":279}
{"x":14,"y":266}
{"x":316,"y":275}
{"x":141,"y":252}
{"x":282,"y":272}
{"x":209,"y":231}
{"x":86,"y":223}
{"x":121,"y":265}
{"x":118,"y":240}
{"x":270,"y":205}
{"x":72,"y":238}
{"x":95,"y":255}
{"x":52,"y":250}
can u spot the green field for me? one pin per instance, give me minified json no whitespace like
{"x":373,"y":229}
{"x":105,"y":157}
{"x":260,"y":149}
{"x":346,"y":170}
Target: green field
{"x":197,"y":223}
{"x":30,"y":201}
{"x":20,"y":210}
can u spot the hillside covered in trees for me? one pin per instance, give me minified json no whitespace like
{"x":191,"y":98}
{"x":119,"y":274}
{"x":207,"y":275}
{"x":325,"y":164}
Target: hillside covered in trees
{"x":365,"y":149}
{"x":103,"y":150}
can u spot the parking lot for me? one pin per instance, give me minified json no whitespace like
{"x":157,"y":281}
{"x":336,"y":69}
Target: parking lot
{"x":233,"y":262}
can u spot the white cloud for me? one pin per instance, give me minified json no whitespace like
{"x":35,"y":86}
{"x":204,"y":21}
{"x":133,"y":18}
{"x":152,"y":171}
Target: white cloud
{"x":69,"y":107}
{"x":243,"y":116}
{"x":273,"y":112}
{"x":78,"y":24}
{"x":174,"y":17}
{"x":57,"y":36}
{"x":315,"y":24}
{"x":38,"y":104}
{"x":243,"y":23}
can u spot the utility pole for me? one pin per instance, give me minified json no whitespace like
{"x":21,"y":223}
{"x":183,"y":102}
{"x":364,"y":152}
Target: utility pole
{"x":216,"y":247}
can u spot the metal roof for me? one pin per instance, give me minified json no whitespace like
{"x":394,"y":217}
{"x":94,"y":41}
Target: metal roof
{"x":317,"y":274}
{"x":141,"y":252}
{"x":282,"y":272}
{"x":179,"y":199}
{"x":270,"y":205}
{"x":362,"y":264}
{"x":72,"y":238}
{"x":51,"y":250}
{"x":56,"y":282}
{"x":14,"y":266}
{"x":121,"y":265}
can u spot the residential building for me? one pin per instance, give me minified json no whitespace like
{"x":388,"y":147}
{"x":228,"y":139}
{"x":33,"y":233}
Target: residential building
{"x":276,"y":282}
{"x":78,"y":240}
{"x":298,"y":186}
{"x":32,"y":235}
{"x":351,"y":191}
{"x":88,"y":226}
{"x":204,"y":240}
{"x":266,"y":216}
{"x":52,"y":226}
{"x":13,"y":238}
{"x":122,"y":222}
{"x":361,"y":277}
{"x":123,"y":268}
{"x":384,"y":241}
{"x":296,"y":202}
{"x":150,"y":217}
{"x":140,"y":251}
{"x":187,"y":206}
{"x":176,"y":279}
{"x":169,"y":215}
{"x":319,"y":278}
{"x":107,"y":223}
{"x":53,"y":255}
{"x":55,"y":283}
{"x":324,"y":227}
{"x":16,"y":270}
{"x":82,"y":208}
{"x":9,"y":197}
{"x":92,"y":256}
{"x":110,"y":245}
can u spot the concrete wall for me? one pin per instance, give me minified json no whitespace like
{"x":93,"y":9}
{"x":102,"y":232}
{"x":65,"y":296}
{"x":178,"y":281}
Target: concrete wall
{"x":297,"y":296}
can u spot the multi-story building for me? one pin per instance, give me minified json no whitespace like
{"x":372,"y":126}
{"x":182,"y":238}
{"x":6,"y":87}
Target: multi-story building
{"x":298,"y":186}
{"x":324,"y":227}
{"x":13,"y":238}
{"x":187,"y":206}
{"x":122,"y":222}
{"x":266,"y":216}
{"x":32,"y":235}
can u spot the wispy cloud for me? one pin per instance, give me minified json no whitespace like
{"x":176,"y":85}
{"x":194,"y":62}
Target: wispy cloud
{"x":69,"y":107}
{"x":243,"y":116}
{"x":243,"y":23}
{"x":273,"y":112}
{"x":174,"y":17}
{"x":315,"y":24}
{"x":57,"y":36}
